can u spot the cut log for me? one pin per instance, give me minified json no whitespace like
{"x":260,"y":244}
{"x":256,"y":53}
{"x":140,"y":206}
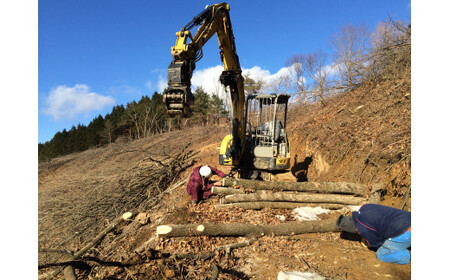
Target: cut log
{"x":225,"y":190}
{"x":322,"y":187}
{"x":228,"y":190}
{"x":293,"y":197}
{"x":239,"y":229}
{"x":279,"y":205}
{"x":69,"y":273}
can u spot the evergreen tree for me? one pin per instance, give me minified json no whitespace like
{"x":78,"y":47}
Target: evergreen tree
{"x":201,"y":105}
{"x":252,"y":86}
{"x":116,"y":118}
{"x":94,"y":130}
{"x":81,"y":138}
{"x":217,"y":108}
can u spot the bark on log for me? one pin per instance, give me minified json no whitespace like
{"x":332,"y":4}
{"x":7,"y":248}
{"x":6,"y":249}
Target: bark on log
{"x":214,"y":272}
{"x":293,"y":197}
{"x":239,"y":229}
{"x":322,"y":187}
{"x":375,"y":197}
{"x":228,"y":190}
{"x":225,"y":190}
{"x":69,"y":273}
{"x":280,"y":205}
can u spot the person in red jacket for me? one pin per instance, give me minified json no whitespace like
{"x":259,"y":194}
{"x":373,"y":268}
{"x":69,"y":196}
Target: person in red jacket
{"x":199,"y":185}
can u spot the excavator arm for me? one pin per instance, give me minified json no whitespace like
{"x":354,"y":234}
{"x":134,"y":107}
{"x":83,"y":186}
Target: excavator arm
{"x":178,"y":97}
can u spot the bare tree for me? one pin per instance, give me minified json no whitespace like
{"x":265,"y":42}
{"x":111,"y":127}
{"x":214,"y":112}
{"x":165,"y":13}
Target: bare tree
{"x":297,"y":72}
{"x":391,"y":54}
{"x":390,"y":33}
{"x":132,"y":114}
{"x":314,"y":65}
{"x":107,"y":133}
{"x":222,"y":93}
{"x":279,"y":84}
{"x":350,"y":46}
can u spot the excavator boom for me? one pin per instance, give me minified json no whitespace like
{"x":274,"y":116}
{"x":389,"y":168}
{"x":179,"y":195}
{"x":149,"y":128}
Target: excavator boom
{"x":178,"y":97}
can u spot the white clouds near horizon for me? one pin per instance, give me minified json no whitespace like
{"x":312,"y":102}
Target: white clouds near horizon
{"x":208,"y":78}
{"x":68,"y":102}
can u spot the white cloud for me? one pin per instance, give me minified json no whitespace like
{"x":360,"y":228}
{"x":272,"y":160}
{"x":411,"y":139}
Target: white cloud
{"x":162,"y":83}
{"x":149,"y":85}
{"x":67,"y":102}
{"x":208,"y":78}
{"x":331,"y":70}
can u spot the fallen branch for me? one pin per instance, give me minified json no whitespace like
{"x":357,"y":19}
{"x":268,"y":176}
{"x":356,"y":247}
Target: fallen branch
{"x":406,"y":198}
{"x":322,"y":187}
{"x":293,"y":197}
{"x":279,"y":205}
{"x":227,"y":248}
{"x":239,"y":229}
{"x":88,"y":261}
{"x":113,"y":225}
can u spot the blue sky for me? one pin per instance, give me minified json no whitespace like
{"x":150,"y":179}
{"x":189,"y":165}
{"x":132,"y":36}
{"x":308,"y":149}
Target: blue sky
{"x":93,"y":55}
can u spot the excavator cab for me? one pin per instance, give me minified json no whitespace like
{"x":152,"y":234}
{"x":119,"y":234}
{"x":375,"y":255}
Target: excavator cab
{"x":265,"y":118}
{"x":266,"y":145}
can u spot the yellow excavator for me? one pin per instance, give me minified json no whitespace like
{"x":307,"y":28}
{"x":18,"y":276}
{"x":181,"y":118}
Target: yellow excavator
{"x":258,"y":142}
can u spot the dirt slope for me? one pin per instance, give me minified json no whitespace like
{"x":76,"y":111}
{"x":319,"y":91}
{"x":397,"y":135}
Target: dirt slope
{"x":363,"y":136}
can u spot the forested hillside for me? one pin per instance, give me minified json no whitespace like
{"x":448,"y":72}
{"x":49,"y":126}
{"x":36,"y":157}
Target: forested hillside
{"x":136,"y":120}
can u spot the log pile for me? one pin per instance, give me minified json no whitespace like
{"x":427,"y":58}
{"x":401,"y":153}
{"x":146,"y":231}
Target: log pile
{"x":251,"y":194}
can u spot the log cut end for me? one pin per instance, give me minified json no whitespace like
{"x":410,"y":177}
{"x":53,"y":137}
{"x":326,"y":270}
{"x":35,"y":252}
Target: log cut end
{"x":126,"y":216}
{"x":163,"y":229}
{"x":200,"y":228}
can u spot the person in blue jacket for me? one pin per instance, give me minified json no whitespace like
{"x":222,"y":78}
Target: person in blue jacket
{"x":382,"y":227}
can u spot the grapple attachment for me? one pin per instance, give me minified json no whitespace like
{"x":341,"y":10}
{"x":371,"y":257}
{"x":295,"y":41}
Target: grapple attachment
{"x":178,"y":101}
{"x":178,"y":96}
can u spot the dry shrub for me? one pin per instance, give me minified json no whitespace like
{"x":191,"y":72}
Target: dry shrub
{"x":67,"y":222}
{"x":391,"y":56}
